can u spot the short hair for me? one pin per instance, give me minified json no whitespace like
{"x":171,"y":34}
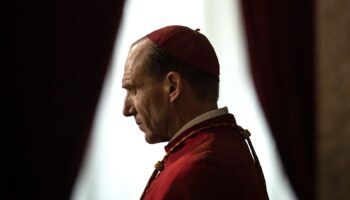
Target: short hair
{"x":204,"y":85}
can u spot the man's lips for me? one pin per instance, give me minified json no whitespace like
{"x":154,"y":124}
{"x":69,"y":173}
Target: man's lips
{"x":139,"y":124}
{"x":138,"y":121}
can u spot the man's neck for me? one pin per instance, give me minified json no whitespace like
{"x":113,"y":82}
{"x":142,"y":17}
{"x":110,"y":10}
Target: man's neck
{"x":186,"y":114}
{"x":201,"y":118}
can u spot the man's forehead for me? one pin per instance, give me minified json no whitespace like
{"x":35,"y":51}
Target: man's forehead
{"x":140,"y":44}
{"x":138,"y":52}
{"x":135,"y":61}
{"x":133,"y":79}
{"x":126,"y":80}
{"x":129,"y":75}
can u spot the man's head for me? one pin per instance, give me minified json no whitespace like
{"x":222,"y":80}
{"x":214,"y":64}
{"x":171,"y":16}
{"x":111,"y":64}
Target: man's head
{"x":170,"y":75}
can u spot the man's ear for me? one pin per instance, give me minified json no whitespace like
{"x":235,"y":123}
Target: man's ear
{"x":174,"y":84}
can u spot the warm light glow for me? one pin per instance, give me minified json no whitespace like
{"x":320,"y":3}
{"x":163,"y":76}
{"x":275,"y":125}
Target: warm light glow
{"x":119,"y":162}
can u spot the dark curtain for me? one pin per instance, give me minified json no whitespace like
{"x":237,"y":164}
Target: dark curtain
{"x":57,"y":54}
{"x":281,"y":47}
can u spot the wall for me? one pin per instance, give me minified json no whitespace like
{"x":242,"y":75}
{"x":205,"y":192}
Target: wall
{"x":333,"y":104}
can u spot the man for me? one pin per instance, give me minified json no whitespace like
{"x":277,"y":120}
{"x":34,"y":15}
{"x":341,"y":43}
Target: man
{"x":171,"y":77}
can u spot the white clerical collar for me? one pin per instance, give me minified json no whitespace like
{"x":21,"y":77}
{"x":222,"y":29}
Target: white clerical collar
{"x":201,"y":118}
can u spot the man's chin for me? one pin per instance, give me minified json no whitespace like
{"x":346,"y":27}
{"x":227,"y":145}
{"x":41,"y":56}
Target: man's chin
{"x":150,"y":140}
{"x":153,"y":140}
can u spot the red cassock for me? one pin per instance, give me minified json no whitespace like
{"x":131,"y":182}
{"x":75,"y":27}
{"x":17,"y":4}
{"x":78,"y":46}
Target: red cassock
{"x":215,"y":163}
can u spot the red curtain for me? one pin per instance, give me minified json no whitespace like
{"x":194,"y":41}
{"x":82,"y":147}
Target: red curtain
{"x":281,"y":47}
{"x":57,"y":56}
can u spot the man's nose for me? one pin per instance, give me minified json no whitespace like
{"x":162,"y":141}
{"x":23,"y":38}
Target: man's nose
{"x":129,"y":109}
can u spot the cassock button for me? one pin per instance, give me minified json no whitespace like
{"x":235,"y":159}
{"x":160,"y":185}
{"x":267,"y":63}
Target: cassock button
{"x":159,"y":165}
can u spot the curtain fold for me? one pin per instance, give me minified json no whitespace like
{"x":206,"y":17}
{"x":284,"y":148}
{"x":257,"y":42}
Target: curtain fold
{"x":281,"y":49}
{"x":58,"y":55}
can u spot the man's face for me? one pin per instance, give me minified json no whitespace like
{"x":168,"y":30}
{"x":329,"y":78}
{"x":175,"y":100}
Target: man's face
{"x":146,"y":98}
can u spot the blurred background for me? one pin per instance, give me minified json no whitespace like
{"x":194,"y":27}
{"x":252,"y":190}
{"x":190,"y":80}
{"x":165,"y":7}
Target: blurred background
{"x":285,"y":68}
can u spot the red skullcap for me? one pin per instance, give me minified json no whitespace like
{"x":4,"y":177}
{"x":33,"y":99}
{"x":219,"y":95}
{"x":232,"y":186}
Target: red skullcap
{"x":187,"y":45}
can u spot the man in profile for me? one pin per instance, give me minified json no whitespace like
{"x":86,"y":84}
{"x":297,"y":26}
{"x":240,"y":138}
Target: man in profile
{"x":171,"y":77}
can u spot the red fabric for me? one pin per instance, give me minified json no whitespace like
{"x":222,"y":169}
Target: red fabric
{"x":213,"y":164}
{"x":281,"y":49}
{"x":59,"y":54}
{"x":187,"y":45}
